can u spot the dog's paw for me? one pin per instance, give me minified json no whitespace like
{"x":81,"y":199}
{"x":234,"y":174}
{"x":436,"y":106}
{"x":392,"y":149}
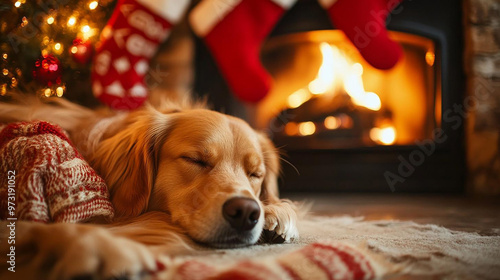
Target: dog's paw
{"x":86,"y":252}
{"x":103,"y":256}
{"x":280,"y":224}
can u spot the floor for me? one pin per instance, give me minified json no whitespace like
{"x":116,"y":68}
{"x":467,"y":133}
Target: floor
{"x":463,"y":213}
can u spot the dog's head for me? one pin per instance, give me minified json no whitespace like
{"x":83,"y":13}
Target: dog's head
{"x":212,"y":173}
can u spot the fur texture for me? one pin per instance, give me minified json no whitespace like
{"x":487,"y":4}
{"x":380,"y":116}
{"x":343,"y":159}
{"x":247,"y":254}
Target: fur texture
{"x":169,"y":169}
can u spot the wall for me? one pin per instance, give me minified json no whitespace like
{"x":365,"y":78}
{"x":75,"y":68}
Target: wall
{"x":482,"y":25}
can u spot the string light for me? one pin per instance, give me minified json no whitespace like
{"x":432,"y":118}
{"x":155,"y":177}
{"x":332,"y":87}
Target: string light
{"x":5,"y":56}
{"x":13,"y":82}
{"x":47,"y":92}
{"x":17,"y":4}
{"x":4,"y":90}
{"x":85,"y":29}
{"x":93,"y":5}
{"x":24,"y":22}
{"x":59,"y":91}
{"x":74,"y":49}
{"x":50,"y":20}
{"x":58,"y":48}
{"x":71,"y":21}
{"x":5,"y":72}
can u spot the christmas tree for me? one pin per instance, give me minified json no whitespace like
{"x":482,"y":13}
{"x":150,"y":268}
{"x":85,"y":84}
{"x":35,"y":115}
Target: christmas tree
{"x":46,"y":46}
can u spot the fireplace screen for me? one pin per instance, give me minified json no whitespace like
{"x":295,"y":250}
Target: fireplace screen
{"x":325,"y":96}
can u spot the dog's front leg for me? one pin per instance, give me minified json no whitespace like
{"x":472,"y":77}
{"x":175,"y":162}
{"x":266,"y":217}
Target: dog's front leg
{"x":69,"y":251}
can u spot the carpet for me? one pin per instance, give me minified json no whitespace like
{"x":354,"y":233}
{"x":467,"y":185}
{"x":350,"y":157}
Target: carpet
{"x":352,"y":248}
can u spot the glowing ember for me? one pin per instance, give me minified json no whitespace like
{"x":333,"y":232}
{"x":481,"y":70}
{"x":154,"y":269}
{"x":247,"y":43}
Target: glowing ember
{"x":430,"y":57}
{"x":332,"y":122}
{"x":307,"y":128}
{"x":385,"y":136}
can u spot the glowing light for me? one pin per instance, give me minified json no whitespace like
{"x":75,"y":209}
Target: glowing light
{"x":336,"y":70}
{"x":57,"y":46}
{"x":47,"y":92}
{"x":50,"y":20}
{"x":74,"y":49}
{"x":298,"y":98}
{"x":385,"y":136}
{"x":291,"y":128}
{"x":24,"y":22}
{"x":353,"y":85}
{"x":4,"y":89}
{"x":85,"y":29}
{"x":326,"y":73}
{"x":332,"y":122}
{"x":307,"y":128}
{"x":93,"y":5}
{"x":430,"y":57}
{"x":5,"y":56}
{"x":5,"y":72}
{"x":17,"y":4}
{"x":60,"y":91}
{"x":71,"y":21}
{"x":372,"y":101}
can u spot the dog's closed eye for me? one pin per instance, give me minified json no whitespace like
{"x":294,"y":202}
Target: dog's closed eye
{"x":256,"y":175}
{"x":196,"y":161}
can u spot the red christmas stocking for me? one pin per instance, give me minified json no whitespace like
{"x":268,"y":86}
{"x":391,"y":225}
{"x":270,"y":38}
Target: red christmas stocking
{"x":129,"y":40}
{"x":233,"y":31}
{"x":363,"y":21}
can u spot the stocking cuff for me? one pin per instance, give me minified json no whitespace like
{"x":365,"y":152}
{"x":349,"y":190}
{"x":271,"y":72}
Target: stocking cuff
{"x":170,"y":10}
{"x":208,"y":13}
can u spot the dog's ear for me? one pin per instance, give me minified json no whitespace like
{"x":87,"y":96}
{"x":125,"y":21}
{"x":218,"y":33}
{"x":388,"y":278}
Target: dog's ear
{"x":128,"y":161}
{"x":269,"y":191}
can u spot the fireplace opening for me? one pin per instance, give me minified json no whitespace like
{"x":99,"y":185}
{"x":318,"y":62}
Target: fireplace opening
{"x":345,"y":126}
{"x":326,"y":96}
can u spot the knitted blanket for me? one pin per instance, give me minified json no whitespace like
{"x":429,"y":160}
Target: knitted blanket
{"x":44,"y":178}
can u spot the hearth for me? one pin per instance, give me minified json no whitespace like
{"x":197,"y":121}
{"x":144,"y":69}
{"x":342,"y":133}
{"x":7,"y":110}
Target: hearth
{"x":346,"y":126}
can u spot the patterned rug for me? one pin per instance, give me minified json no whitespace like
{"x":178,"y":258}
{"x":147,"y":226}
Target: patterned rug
{"x":351,"y":248}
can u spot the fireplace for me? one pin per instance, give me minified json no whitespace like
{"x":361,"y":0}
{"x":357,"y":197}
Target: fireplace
{"x":346,"y":126}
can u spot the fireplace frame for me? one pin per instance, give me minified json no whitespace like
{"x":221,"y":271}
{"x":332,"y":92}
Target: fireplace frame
{"x":366,"y":169}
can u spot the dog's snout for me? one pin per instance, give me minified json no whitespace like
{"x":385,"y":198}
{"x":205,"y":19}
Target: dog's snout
{"x":241,"y":213}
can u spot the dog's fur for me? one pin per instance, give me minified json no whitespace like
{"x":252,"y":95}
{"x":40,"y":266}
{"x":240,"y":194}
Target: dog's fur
{"x":169,"y":169}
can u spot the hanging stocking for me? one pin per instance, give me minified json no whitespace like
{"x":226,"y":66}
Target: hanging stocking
{"x":363,"y":21}
{"x":129,"y":40}
{"x":234,"y":31}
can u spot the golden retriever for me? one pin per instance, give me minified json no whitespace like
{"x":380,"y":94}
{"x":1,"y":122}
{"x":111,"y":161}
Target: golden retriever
{"x":179,"y":176}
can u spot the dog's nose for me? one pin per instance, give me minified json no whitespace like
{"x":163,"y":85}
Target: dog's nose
{"x":241,"y":213}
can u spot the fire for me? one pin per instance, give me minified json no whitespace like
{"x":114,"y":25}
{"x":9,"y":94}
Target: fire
{"x":298,"y":98}
{"x":337,"y":71}
{"x":385,"y":136}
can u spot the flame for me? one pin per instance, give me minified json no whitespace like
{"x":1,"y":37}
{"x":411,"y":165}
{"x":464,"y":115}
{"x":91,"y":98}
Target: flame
{"x":298,"y":98}
{"x":325,"y":80}
{"x":336,"y":70}
{"x":385,"y":136}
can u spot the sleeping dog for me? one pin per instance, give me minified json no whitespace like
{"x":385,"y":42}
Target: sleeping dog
{"x":177,"y":173}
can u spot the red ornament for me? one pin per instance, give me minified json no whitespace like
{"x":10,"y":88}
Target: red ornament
{"x":81,"y":51}
{"x":47,"y":70}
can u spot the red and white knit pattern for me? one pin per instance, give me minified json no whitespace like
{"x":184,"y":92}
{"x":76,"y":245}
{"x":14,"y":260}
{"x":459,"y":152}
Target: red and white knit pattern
{"x":326,"y":260}
{"x":53,"y":182}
